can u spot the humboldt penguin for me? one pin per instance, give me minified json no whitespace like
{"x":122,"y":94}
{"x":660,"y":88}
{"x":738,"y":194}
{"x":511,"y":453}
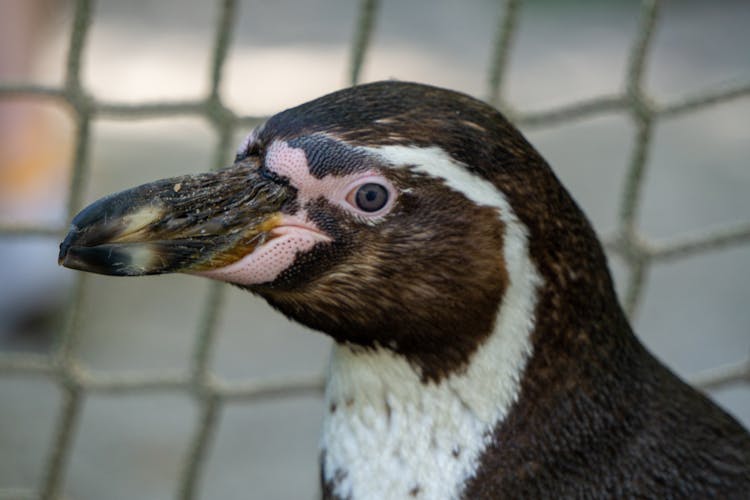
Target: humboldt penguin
{"x":480,"y":349}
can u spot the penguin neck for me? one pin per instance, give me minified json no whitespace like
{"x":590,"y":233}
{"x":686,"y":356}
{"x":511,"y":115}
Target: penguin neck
{"x":388,"y":433}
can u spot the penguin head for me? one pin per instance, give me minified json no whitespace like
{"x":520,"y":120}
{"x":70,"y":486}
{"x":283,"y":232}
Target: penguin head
{"x":389,"y":214}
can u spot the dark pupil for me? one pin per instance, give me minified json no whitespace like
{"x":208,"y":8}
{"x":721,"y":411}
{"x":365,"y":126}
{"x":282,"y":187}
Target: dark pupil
{"x":371,"y":197}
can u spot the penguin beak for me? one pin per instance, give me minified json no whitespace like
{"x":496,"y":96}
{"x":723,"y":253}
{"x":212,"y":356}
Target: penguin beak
{"x":187,"y":224}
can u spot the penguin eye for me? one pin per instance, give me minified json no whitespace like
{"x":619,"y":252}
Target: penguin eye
{"x":371,"y":197}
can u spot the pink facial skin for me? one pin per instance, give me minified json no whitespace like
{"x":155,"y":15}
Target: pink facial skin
{"x":297,"y":233}
{"x":292,"y":163}
{"x":265,"y":263}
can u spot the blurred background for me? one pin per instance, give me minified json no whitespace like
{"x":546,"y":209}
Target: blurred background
{"x":693,"y":312}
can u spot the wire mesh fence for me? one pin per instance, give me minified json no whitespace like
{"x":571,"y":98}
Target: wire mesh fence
{"x":212,"y":392}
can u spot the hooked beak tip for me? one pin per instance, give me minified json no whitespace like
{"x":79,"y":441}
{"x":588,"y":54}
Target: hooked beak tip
{"x":65,"y":246}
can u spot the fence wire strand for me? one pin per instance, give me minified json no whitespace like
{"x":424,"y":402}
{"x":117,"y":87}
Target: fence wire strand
{"x":210,"y":392}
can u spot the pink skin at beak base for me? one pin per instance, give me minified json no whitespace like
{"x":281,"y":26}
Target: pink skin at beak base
{"x":268,"y":261}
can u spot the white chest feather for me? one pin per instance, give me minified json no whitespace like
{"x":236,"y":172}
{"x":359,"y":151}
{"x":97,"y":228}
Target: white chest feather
{"x":390,"y":436}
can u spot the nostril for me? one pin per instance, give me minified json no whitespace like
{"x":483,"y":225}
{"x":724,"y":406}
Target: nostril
{"x":272,"y":176}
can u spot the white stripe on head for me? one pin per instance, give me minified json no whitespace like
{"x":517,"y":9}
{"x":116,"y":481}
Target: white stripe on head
{"x":390,"y":434}
{"x":434,"y":161}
